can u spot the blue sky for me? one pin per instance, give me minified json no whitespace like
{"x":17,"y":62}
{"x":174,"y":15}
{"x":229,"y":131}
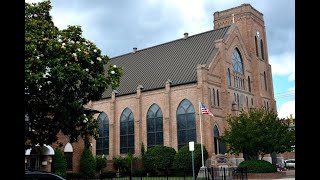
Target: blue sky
{"x":117,"y":26}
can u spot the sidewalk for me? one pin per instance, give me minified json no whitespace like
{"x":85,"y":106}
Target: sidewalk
{"x":290,"y":175}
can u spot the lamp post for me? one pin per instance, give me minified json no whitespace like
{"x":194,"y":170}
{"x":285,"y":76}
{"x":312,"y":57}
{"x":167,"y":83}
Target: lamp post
{"x":191,"y":148}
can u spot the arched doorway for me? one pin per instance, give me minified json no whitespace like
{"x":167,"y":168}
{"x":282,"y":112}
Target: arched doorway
{"x":219,"y":147}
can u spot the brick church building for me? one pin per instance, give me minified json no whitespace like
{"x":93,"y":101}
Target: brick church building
{"x":157,"y":103}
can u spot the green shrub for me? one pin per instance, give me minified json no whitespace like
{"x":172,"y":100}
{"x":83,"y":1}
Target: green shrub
{"x":183,"y":158}
{"x":258,"y":166}
{"x":101,"y":162}
{"x":124,"y":163}
{"x":59,"y":163}
{"x":159,"y":158}
{"x":87,"y":163}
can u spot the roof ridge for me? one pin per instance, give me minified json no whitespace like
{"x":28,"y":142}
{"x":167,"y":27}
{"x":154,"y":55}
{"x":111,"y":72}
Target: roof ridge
{"x":170,"y":42}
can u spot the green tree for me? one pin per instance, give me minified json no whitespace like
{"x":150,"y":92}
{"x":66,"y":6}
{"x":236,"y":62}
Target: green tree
{"x":257,"y":132}
{"x":159,"y":158}
{"x":59,"y":163}
{"x":183,"y":158}
{"x":63,"y":72}
{"x":87,"y":163}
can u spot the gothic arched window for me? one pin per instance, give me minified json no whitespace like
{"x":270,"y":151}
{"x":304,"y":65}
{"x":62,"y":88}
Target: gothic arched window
{"x":186,"y":123}
{"x":102,"y":146}
{"x":127,"y":131}
{"x":237,"y":62}
{"x":154,"y":126}
{"x":262,"y":49}
{"x":257,"y":50}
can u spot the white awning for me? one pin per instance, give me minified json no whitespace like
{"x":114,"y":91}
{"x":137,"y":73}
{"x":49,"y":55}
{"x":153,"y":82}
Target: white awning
{"x":45,"y":150}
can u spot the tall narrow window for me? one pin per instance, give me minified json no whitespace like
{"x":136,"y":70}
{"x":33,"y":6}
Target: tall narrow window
{"x":229,"y":77}
{"x":68,"y":153}
{"x":247,"y":102}
{"x":219,"y":147}
{"x":154,"y":126}
{"x":210,"y":96}
{"x":238,"y":102}
{"x":186,"y":123}
{"x":102,"y":146}
{"x":237,"y":61}
{"x":235,"y":97}
{"x":249,"y":84}
{"x":262,"y":49}
{"x":267,"y":106}
{"x":265,"y":80}
{"x":214,"y":97}
{"x":218,"y":103}
{"x":127,"y":131}
{"x":252,"y":102}
{"x":257,"y":50}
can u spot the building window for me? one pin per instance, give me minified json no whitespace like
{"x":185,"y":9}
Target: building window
{"x":219,"y":147}
{"x":154,"y":126}
{"x":235,"y":97}
{"x":102,"y":146}
{"x":214,"y":97}
{"x":127,"y":131}
{"x":237,"y":62}
{"x":256,"y":41}
{"x":68,"y":153}
{"x":229,"y":77}
{"x":267,"y":106}
{"x":238,"y":102}
{"x":247,"y":101}
{"x":262,"y":49}
{"x":252,"y":102}
{"x":218,"y":103}
{"x":249,"y":84}
{"x":265,"y":80}
{"x":186,"y":123}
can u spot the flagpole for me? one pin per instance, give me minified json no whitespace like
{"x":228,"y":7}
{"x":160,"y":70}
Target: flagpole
{"x":200,"y":112}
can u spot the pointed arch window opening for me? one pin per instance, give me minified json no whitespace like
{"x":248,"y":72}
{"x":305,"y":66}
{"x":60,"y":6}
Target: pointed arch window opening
{"x":218,"y":100}
{"x":186,"y":123}
{"x":262,"y":49}
{"x":219,"y":147}
{"x":229,"y":77}
{"x":265,"y":80}
{"x":257,"y":49}
{"x":237,"y":62}
{"x":154,"y":126}
{"x":102,"y":143}
{"x":127,"y":132}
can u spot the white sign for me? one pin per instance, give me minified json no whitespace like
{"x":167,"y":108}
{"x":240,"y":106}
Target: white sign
{"x":191,"y":146}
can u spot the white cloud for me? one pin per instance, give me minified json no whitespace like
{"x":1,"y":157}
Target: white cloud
{"x":286,"y":109}
{"x":283,"y":65}
{"x":192,"y":15}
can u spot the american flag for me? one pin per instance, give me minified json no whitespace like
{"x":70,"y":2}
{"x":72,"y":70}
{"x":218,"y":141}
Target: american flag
{"x":204,"y":110}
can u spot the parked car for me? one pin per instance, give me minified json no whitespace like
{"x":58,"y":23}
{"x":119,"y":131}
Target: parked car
{"x":40,"y":175}
{"x":290,"y":163}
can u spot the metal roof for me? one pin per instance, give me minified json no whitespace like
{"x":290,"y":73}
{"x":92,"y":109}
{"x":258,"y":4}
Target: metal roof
{"x":176,"y":60}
